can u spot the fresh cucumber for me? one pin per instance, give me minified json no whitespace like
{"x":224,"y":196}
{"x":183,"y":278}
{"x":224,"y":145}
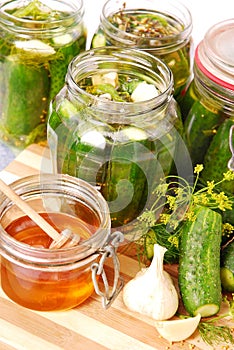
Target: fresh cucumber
{"x":227,"y":267}
{"x":199,"y":263}
{"x":228,"y":216}
{"x":160,"y":235}
{"x":217,"y":157}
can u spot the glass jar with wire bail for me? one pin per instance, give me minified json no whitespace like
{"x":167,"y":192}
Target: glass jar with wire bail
{"x":115,"y":124}
{"x":208,"y":106}
{"x":38,"y":39}
{"x":162,"y":28}
{"x":44,"y":279}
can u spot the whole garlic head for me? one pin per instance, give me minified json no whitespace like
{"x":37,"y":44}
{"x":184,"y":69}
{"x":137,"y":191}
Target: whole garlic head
{"x":152,"y":292}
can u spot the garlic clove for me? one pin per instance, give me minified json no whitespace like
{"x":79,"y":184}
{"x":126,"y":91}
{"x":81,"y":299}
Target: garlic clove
{"x":107,"y":78}
{"x":144,"y":92}
{"x":177,"y":330}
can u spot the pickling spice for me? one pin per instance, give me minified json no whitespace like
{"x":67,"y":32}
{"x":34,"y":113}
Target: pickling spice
{"x":162,"y":28}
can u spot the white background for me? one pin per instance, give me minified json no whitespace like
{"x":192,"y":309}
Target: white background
{"x":205,"y":13}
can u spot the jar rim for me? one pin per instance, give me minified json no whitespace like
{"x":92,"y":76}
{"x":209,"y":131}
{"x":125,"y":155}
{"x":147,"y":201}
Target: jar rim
{"x":136,"y":58}
{"x":214,"y":55}
{"x":175,"y":40}
{"x":59,"y":256}
{"x":75,"y":8}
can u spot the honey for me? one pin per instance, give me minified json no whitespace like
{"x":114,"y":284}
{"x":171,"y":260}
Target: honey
{"x":26,"y":231}
{"x":46,"y":289}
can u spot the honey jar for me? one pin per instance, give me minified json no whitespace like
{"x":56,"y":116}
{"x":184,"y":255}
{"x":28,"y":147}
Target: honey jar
{"x":44,"y":279}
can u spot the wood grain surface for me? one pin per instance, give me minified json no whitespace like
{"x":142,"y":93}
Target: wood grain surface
{"x":89,"y":326}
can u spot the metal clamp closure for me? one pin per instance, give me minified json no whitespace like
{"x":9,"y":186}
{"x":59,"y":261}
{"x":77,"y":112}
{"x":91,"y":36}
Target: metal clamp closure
{"x":109,"y":251}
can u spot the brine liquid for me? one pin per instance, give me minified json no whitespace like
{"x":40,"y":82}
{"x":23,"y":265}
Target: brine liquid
{"x":42,"y":288}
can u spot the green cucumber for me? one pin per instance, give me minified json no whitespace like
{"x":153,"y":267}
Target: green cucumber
{"x":126,"y":184}
{"x":24,"y":97}
{"x":228,"y":216}
{"x":119,"y":169}
{"x":5,"y":47}
{"x":98,"y":39}
{"x":200,"y":126}
{"x":227,"y":268}
{"x":199,"y":263}
{"x":58,"y":67}
{"x":217,"y":157}
{"x":188,"y":99}
{"x":160,"y":235}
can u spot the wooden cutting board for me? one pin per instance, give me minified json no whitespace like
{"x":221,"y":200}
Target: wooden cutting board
{"x":89,"y":326}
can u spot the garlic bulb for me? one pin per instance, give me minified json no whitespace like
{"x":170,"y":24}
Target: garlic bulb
{"x":152,"y":292}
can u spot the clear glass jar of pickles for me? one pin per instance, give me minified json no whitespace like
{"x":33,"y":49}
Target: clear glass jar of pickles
{"x":38,"y":39}
{"x":162,"y":28}
{"x":208,"y":106}
{"x":115,"y":124}
{"x":44,"y":279}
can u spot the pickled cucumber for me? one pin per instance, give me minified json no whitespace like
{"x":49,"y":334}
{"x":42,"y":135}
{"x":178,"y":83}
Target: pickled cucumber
{"x":217,"y":157}
{"x":58,"y":67}
{"x":122,"y":170}
{"x":21,"y":111}
{"x":200,"y":127}
{"x":127,"y":178}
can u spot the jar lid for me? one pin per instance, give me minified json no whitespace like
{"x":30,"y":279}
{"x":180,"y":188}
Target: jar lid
{"x":215,"y":54}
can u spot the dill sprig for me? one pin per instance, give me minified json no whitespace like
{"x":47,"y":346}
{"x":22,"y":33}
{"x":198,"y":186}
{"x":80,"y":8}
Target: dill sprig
{"x":175,"y":200}
{"x":214,"y":334}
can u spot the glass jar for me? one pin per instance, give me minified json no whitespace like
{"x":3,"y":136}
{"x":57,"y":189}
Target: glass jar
{"x":208,"y":105}
{"x":98,"y":133}
{"x":162,"y":28}
{"x":44,"y":279}
{"x":37,"y":41}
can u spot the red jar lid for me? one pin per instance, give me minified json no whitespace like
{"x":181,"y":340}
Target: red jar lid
{"x":214,"y":56}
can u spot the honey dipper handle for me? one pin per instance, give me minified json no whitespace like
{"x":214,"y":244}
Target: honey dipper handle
{"x":38,"y":219}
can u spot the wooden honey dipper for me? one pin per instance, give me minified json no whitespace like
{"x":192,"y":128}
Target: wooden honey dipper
{"x":64,"y":239}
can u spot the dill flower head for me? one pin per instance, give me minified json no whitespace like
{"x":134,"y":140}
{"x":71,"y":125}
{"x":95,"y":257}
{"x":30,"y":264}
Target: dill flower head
{"x":180,"y":199}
